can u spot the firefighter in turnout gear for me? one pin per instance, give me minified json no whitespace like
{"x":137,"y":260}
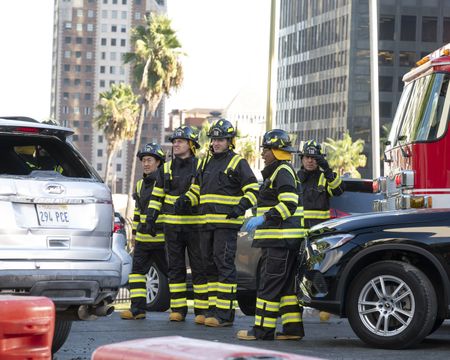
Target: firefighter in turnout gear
{"x":318,"y":183}
{"x":279,"y":233}
{"x":226,"y":187}
{"x":149,"y":248}
{"x":181,"y":224}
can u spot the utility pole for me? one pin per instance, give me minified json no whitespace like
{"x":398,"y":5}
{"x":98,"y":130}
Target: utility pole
{"x":375,"y":113}
{"x":272,"y":64}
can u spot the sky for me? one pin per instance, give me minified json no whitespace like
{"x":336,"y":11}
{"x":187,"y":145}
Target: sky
{"x":225,"y":41}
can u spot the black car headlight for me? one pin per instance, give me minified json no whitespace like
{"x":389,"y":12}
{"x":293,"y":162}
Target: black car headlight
{"x":330,"y":242}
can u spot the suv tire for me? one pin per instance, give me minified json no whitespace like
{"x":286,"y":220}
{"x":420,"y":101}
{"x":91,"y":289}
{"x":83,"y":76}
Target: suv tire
{"x":383,"y":293}
{"x":158,"y":295}
{"x":62,"y":330}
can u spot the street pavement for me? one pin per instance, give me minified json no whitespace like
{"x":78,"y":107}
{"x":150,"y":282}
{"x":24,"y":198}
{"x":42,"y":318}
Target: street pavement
{"x":333,"y":339}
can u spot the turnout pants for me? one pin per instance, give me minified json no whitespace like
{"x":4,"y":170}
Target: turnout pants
{"x":219,"y":251}
{"x":176,"y":244}
{"x":145,"y":254}
{"x":276,"y":294}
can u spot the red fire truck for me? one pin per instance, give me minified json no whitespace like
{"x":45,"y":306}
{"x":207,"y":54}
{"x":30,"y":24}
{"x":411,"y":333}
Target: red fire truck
{"x":417,"y":156}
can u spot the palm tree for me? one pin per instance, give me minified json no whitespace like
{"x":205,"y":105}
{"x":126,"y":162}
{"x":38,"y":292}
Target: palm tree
{"x":345,"y":156}
{"x":156,"y":70}
{"x":117,"y":111}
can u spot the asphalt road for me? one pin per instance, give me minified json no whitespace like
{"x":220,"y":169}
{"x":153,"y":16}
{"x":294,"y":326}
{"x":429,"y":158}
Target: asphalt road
{"x":333,"y":339}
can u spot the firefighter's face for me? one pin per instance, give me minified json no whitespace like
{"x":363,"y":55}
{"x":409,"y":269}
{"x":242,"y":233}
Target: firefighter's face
{"x":219,"y":145}
{"x":181,"y":148}
{"x":309,"y":163}
{"x":268,"y":156}
{"x":149,"y":164}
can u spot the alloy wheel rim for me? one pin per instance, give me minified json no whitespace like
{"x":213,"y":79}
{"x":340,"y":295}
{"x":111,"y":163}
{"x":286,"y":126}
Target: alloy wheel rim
{"x":152,"y":284}
{"x":386,"y":305}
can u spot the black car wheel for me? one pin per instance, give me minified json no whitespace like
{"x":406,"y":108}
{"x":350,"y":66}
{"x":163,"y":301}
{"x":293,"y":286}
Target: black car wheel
{"x":158,"y":296}
{"x":247,"y":302}
{"x":62,"y":330}
{"x":391,"y":305}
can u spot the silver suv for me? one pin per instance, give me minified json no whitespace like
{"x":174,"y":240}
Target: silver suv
{"x":56,"y":224}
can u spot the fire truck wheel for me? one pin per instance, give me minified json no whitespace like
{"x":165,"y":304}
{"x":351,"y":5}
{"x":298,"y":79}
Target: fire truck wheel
{"x":391,"y":305}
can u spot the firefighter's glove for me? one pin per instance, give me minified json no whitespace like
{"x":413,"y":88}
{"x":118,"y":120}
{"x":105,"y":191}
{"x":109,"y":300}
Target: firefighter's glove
{"x":323,"y":163}
{"x":182,"y":205}
{"x":253,"y":223}
{"x":150,"y":227}
{"x":235,"y":212}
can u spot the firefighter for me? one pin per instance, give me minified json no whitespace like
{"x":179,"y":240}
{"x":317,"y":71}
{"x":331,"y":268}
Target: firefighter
{"x":279,"y":233}
{"x":226,"y":187}
{"x":181,"y":224}
{"x":148,"y":250}
{"x":318,"y":183}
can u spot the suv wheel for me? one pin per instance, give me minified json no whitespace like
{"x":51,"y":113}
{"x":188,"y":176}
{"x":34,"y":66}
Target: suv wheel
{"x":391,"y":305}
{"x":158,"y":295}
{"x":62,"y":330}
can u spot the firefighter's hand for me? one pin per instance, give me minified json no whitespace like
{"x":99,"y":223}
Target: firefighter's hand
{"x":253,"y":223}
{"x":150,"y":227}
{"x":235,"y":212}
{"x":322,"y":162}
{"x":182,"y":205}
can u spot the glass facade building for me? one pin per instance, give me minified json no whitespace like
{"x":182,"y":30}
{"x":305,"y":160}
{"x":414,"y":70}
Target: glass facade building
{"x":323,"y":73}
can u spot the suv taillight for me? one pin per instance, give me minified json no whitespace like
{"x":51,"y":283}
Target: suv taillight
{"x":117,"y":226}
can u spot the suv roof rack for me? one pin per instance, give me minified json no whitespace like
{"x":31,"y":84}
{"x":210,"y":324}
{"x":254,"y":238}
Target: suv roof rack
{"x":19,"y":118}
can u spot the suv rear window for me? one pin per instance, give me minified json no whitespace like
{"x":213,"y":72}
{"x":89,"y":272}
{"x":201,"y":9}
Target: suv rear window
{"x":37,"y":155}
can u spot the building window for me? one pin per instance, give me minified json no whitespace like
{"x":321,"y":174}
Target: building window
{"x":87,"y":111}
{"x":88,"y":83}
{"x":88,"y":68}
{"x":113,"y":55}
{"x":123,"y":28}
{"x":123,"y":42}
{"x":124,"y":15}
{"x":86,"y":137}
{"x":79,"y":40}
{"x":90,"y":27}
{"x":112,"y":70}
{"x":387,"y":27}
{"x":385,"y":58}
{"x":67,"y":39}
{"x":78,"y":68}
{"x":385,"y":109}
{"x":104,"y":28}
{"x":100,"y":139}
{"x":429,"y":29}
{"x":67,"y":54}
{"x":75,"y":137}
{"x":408,"y":28}
{"x":89,"y":55}
{"x":68,"y":25}
{"x":104,"y":14}
{"x":137,"y":2}
{"x":99,"y":152}
{"x":66,"y":81}
{"x":446,"y":31}
{"x":113,"y":42}
{"x":66,"y":67}
{"x":118,"y":167}
{"x":78,"y":54}
{"x":86,"y":124}
{"x":99,"y":166}
{"x":407,"y":58}
{"x":76,"y":123}
{"x":114,"y":28}
{"x":102,"y":83}
{"x":76,"y":110}
{"x":79,"y":27}
{"x":66,"y":96}
{"x":90,"y":13}
{"x":103,"y":41}
{"x":103,"y":55}
{"x":124,"y":2}
{"x":87,"y":96}
{"x":385,"y":83}
{"x":137,"y":15}
{"x":76,"y":96}
{"x":114,"y":14}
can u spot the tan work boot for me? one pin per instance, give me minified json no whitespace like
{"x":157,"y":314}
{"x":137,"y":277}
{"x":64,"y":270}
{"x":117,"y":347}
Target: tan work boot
{"x":200,"y":319}
{"x":245,"y":335}
{"x":283,"y":336}
{"x":213,"y":322}
{"x":324,"y":316}
{"x":132,"y":315}
{"x":176,"y":316}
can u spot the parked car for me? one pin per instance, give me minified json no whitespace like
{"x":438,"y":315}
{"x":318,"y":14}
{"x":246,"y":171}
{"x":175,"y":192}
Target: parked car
{"x":119,"y":245}
{"x":56,"y":224}
{"x":387,"y":272}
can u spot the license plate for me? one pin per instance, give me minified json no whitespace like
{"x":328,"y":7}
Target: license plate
{"x":53,"y":215}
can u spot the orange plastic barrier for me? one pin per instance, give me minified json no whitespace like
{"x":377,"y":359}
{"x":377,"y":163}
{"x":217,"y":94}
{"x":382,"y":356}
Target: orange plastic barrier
{"x":181,"y":348}
{"x":27,"y":324}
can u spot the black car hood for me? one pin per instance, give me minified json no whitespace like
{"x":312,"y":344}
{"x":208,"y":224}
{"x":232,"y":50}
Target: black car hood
{"x":387,"y":218}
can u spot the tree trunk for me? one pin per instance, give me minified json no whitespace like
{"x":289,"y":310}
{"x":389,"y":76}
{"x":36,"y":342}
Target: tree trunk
{"x":137,"y":145}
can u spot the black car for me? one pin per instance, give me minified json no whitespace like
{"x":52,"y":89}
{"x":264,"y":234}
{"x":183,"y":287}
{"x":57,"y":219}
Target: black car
{"x":388,"y":273}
